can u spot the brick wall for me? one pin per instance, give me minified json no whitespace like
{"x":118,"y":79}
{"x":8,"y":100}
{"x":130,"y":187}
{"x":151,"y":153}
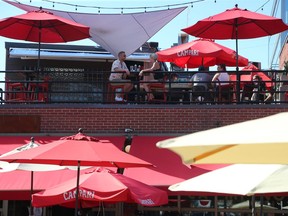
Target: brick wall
{"x":158,"y":119}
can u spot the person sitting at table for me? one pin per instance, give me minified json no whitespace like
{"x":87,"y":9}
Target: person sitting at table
{"x":259,"y":89}
{"x":148,"y":75}
{"x":200,"y":82}
{"x":221,"y":81}
{"x":116,"y":78}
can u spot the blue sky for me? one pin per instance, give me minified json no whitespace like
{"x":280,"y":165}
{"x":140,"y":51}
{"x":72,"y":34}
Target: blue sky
{"x":254,"y":49}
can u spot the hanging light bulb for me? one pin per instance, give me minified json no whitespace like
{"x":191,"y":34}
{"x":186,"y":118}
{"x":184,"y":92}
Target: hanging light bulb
{"x":53,"y":4}
{"x":75,"y":7}
{"x":98,"y":10}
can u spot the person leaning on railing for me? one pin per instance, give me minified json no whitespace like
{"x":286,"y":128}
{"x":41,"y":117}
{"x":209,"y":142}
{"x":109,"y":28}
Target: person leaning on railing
{"x":116,"y":78}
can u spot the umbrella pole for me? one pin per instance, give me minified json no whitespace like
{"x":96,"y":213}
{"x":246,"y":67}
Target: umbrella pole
{"x":237,"y":65}
{"x":253,"y":206}
{"x":77,"y":189}
{"x":38,"y":62}
{"x":31,"y":192}
{"x":261,"y":205}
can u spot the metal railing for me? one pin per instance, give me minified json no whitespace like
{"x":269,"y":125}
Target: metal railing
{"x":60,"y":86}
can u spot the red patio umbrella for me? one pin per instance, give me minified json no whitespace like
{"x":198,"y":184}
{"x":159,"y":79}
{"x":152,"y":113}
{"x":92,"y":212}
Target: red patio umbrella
{"x":101,"y":185}
{"x":200,"y":52}
{"x":236,"y":24}
{"x":78,"y":150}
{"x":249,"y":77}
{"x":42,"y":26}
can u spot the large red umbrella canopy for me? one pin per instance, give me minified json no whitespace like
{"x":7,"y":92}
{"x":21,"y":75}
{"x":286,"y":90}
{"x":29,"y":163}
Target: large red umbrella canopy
{"x":101,"y":185}
{"x":42,"y":26}
{"x":78,"y":150}
{"x":199,"y":52}
{"x":54,"y":29}
{"x":236,"y":24}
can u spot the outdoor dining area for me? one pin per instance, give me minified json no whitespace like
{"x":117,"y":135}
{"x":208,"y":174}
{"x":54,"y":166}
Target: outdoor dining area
{"x":66,"y":85}
{"x":172,"y":88}
{"x":232,"y":170}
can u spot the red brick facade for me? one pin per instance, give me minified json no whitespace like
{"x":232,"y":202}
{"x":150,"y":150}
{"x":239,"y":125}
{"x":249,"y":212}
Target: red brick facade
{"x":114,"y":119}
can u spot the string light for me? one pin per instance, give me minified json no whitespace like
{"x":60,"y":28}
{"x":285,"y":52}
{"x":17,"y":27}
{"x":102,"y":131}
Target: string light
{"x":135,"y":8}
{"x":126,"y":8}
{"x":53,"y":5}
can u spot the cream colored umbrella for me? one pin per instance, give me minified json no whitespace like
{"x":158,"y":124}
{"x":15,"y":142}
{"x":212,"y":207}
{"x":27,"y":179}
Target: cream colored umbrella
{"x":259,"y":141}
{"x":239,"y":179}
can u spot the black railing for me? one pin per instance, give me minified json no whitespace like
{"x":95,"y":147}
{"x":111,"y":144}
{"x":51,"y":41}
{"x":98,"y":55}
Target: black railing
{"x":62,"y":86}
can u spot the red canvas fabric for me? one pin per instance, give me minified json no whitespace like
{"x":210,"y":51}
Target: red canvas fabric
{"x":200,"y":52}
{"x":42,"y":26}
{"x":168,"y":168}
{"x":101,"y":185}
{"x":247,"y":23}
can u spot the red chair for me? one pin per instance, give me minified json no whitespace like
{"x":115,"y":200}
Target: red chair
{"x":156,"y":88}
{"x":222,"y":90}
{"x":111,"y":91}
{"x":15,"y":91}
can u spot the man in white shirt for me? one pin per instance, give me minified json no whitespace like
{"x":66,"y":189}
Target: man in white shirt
{"x":120,"y":66}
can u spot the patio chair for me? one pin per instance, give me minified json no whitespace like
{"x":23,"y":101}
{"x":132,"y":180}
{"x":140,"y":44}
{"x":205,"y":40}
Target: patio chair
{"x":15,"y":91}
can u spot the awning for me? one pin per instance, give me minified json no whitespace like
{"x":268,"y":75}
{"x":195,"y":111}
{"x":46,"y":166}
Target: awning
{"x":168,"y":169}
{"x":25,"y":53}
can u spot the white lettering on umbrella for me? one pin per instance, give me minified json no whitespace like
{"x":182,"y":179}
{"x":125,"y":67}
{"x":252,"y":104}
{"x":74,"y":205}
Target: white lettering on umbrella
{"x":188,"y":52}
{"x":82,"y":193}
{"x":146,"y":202}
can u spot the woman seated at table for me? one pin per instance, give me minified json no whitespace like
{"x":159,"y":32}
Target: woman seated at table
{"x":148,"y":75}
{"x":221,"y":80}
{"x":259,"y":89}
